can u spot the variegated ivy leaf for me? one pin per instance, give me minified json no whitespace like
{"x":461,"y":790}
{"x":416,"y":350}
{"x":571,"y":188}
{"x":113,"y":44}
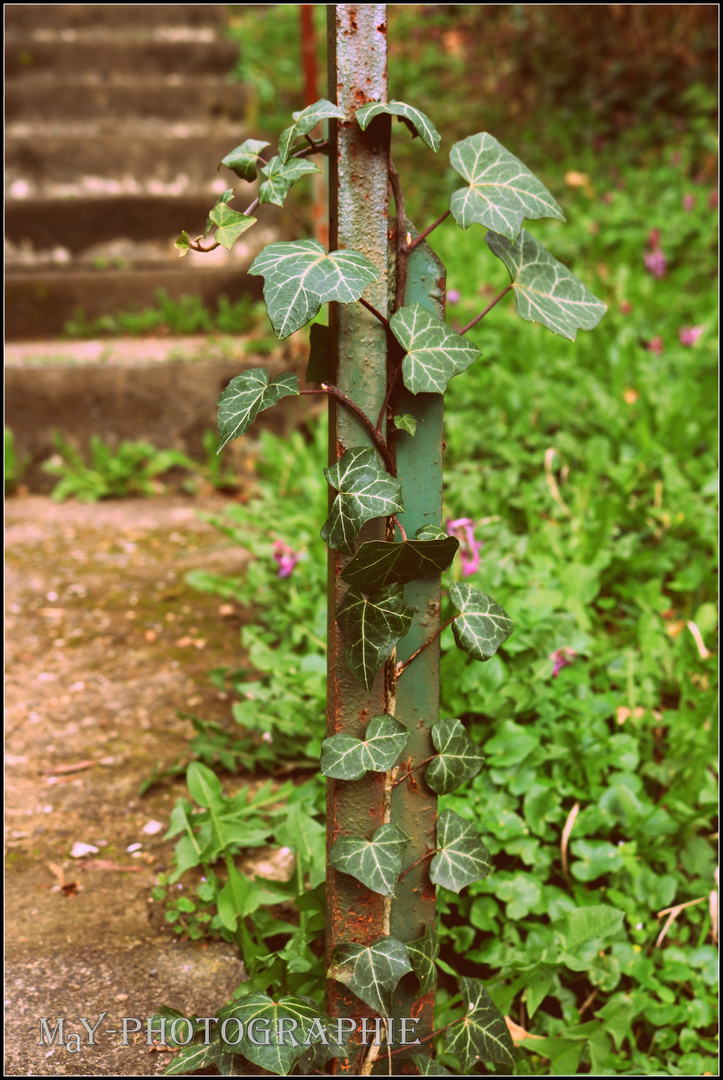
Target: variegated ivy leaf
{"x":224,"y":198}
{"x":407,"y":423}
{"x":373,"y":626}
{"x":371,"y":972}
{"x":346,"y":758}
{"x":459,"y":759}
{"x":366,"y":491}
{"x":376,"y":862}
{"x":427,"y":1067}
{"x":230,"y":223}
{"x":379,"y":562}
{"x":435,"y":352}
{"x":502,"y":192}
{"x":483,"y":1034}
{"x":246,"y":396}
{"x":280,"y":1053}
{"x":318,"y":366}
{"x":281,"y":177}
{"x":545,"y":290}
{"x":482,"y":625}
{"x":461,"y":856}
{"x":242,"y":159}
{"x":305,"y":122}
{"x":299,"y":277}
{"x":431,"y":532}
{"x":423,"y":952}
{"x":183,"y":243}
{"x":416,"y":121}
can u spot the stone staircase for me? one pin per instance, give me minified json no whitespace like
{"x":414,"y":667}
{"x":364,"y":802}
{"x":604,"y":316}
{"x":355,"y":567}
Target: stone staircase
{"x":116,"y":117}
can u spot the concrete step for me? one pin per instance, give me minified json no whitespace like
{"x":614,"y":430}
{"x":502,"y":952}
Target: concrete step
{"x":66,"y":18}
{"x":123,"y":96}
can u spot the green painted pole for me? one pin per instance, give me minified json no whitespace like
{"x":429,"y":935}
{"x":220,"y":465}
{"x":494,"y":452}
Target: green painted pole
{"x":358,"y":218}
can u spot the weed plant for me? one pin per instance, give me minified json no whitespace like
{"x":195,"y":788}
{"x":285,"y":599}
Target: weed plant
{"x":189,"y":315}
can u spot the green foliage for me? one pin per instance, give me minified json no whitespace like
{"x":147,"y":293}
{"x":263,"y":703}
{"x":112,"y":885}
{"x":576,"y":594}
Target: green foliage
{"x":185,"y":316}
{"x":15,"y":467}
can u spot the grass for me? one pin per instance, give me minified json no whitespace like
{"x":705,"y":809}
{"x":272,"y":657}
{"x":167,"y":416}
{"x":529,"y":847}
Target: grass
{"x":189,"y":315}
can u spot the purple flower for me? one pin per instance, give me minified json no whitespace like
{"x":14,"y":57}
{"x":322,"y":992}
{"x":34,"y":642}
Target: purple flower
{"x":655,"y":345}
{"x":656,"y":263}
{"x":688,"y":335}
{"x":286,"y":557}
{"x":454,"y":296}
{"x":463,"y":530}
{"x":688,"y":202}
{"x":561,"y":658}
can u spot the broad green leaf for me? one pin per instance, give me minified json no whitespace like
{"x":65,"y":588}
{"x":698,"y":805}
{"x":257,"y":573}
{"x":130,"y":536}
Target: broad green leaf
{"x":377,"y":862}
{"x":183,"y":243}
{"x":305,"y":122}
{"x":281,"y":177}
{"x":318,"y":367}
{"x":595,"y":858}
{"x":371,"y":972}
{"x":282,"y":1051}
{"x":379,"y":562}
{"x":192,"y":1057}
{"x":346,"y":758}
{"x":431,"y":532}
{"x":224,"y":198}
{"x":246,"y":396}
{"x":307,"y":837}
{"x":416,"y":121}
{"x":373,"y":627}
{"x":545,"y":290}
{"x":204,"y":786}
{"x":299,"y":277}
{"x":482,"y":1034}
{"x":230,"y":223}
{"x":242,"y":159}
{"x":423,"y":952}
{"x":427,"y":1067}
{"x":366,"y":491}
{"x":585,"y":924}
{"x":435,"y":352}
{"x":461,"y":856}
{"x":407,"y":423}
{"x":316,"y":1056}
{"x":482,"y":625}
{"x":502,"y":192}
{"x":459,"y":758}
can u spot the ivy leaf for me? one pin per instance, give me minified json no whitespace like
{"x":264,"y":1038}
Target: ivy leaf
{"x":230,"y":223}
{"x":435,"y":352}
{"x":246,"y":396}
{"x":281,"y":177}
{"x":407,"y":423}
{"x":366,"y":491}
{"x":281,"y":1052}
{"x":379,"y":562}
{"x":545,"y":290}
{"x":371,"y":972}
{"x":502,"y":191}
{"x":431,"y":532}
{"x":299,"y":278}
{"x":183,"y":243}
{"x":483,"y":1034}
{"x":416,"y":121}
{"x":427,"y":1067}
{"x":346,"y":758}
{"x":373,"y":627}
{"x":422,"y":953}
{"x":318,"y":367}
{"x":482,"y":625}
{"x":224,"y":198}
{"x":193,"y":1056}
{"x":461,"y":857}
{"x":305,"y":121}
{"x":242,"y":159}
{"x":459,"y":758}
{"x":376,"y":862}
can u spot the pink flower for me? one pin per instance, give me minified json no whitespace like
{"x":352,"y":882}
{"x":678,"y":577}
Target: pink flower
{"x":688,"y":335}
{"x":656,"y":263}
{"x":454,"y":296}
{"x":688,"y":202}
{"x":561,"y":658}
{"x":286,"y":557}
{"x":463,"y":528}
{"x":655,"y":346}
{"x":625,"y":307}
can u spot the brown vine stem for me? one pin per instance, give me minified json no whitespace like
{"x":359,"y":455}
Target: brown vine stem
{"x":428,"y":1038}
{"x":385,"y":404}
{"x":378,"y":314}
{"x":423,"y":235}
{"x":488,"y":308}
{"x":401,"y":779}
{"x":402,"y":248}
{"x":403,"y":667}
{"x":334,"y":391}
{"x":427,"y":855}
{"x":399,"y":526}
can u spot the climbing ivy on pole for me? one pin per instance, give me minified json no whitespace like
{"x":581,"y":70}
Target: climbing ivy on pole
{"x":384,"y":361}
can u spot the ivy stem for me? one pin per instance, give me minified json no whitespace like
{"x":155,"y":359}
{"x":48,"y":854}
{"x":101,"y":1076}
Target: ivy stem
{"x":401,"y":779}
{"x":428,"y":1038}
{"x":488,"y":308}
{"x":423,"y":235}
{"x":334,"y":391}
{"x":402,"y":248}
{"x":427,"y":855}
{"x":403,"y":667}
{"x":385,"y":404}
{"x":378,"y":314}
{"x":399,"y":526}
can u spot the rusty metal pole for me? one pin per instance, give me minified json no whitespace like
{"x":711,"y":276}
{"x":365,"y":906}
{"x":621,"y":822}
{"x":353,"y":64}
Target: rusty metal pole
{"x":358,"y":218}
